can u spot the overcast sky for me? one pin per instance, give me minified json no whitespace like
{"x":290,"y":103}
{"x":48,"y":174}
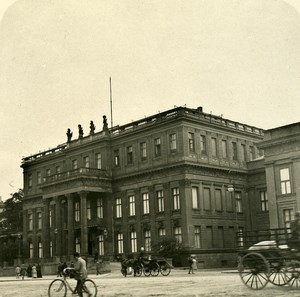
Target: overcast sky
{"x":239,"y":59}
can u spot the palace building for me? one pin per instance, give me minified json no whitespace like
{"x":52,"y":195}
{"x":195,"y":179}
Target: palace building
{"x":183,"y":173}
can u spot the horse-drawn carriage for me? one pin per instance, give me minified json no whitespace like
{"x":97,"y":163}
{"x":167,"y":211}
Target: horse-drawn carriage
{"x":269,"y":256}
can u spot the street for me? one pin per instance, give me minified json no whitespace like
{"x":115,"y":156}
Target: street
{"x":206,"y":283}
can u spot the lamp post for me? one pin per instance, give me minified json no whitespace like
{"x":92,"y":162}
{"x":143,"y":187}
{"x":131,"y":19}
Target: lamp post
{"x":19,"y":241}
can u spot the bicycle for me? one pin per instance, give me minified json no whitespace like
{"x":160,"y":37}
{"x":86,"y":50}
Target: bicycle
{"x":60,"y":286}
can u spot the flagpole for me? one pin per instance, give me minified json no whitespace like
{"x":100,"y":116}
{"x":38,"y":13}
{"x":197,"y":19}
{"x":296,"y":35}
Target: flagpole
{"x":111,"y":113}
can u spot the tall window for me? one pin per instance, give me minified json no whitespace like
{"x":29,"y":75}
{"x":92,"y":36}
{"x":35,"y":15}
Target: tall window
{"x":101,"y":244}
{"x":58,"y":170}
{"x":50,"y":217}
{"x":160,"y":201}
{"x":100,"y":208}
{"x":117,"y":158}
{"x":191,"y":142}
{"x":77,"y":212}
{"x":220,"y":237}
{"x":243,"y":155}
{"x":77,"y":245}
{"x":218,"y":198}
{"x":86,"y":162}
{"x":285,"y":182}
{"x":40,"y":249}
{"x":133,"y":242}
{"x":195,"y":198}
{"x":51,"y":248}
{"x":173,"y":142}
{"x":203,"y":144}
{"x":264,"y":201}
{"x":288,"y":217}
{"x":207,"y":199}
{"x":224,"y":149}
{"x":252,"y":153}
{"x":209,"y":238}
{"x":143,"y":150}
{"x":240,"y":237}
{"x":234,"y":151}
{"x":30,"y":180}
{"x":74,"y":164}
{"x":99,"y":160}
{"x":229,"y":201}
{"x":120,"y":243}
{"x":48,"y":172}
{"x":238,"y":202}
{"x":197,"y":237}
{"x":30,"y":222}
{"x":88,"y":209}
{"x":30,"y":250}
{"x":161,"y":232}
{"x":146,"y":207}
{"x":147,"y":240}
{"x":214,"y":147}
{"x":131,"y":205}
{"x":39,"y":214}
{"x":129,"y":155}
{"x":39,"y":177}
{"x":176,"y":198}
{"x":178,"y":234}
{"x":118,"y":208}
{"x":157,"y":147}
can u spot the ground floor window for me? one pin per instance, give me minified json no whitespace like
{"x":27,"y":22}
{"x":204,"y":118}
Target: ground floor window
{"x":30,"y":250}
{"x":133,"y":242}
{"x":101,"y":244}
{"x":120,"y":243}
{"x":40,"y":245}
{"x":77,"y":245}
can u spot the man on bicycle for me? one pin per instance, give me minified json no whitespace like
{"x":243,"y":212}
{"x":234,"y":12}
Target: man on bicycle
{"x":81,"y":273}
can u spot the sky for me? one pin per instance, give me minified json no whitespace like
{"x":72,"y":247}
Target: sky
{"x":236,"y":58}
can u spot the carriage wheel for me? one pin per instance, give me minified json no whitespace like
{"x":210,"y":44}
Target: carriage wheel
{"x":154,"y":269}
{"x":278,"y":276}
{"x":165,"y":269}
{"x":146,"y":270}
{"x":138,"y":270}
{"x":292,"y":274}
{"x":254,"y":271}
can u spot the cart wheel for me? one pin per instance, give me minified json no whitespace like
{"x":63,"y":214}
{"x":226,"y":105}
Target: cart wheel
{"x":254,"y":271}
{"x":146,"y":270}
{"x":278,"y":276}
{"x":154,"y":270}
{"x":138,"y":270}
{"x":292,"y":274}
{"x":165,"y":269}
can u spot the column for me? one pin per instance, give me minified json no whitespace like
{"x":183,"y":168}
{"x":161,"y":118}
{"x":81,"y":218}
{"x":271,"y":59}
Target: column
{"x":25,"y":236}
{"x":70,"y":224}
{"x":46,"y":229}
{"x":58,"y":227}
{"x":83,"y":220}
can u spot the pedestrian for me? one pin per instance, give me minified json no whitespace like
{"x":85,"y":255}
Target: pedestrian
{"x":191,"y":267}
{"x":34,"y":272}
{"x":23,"y":271}
{"x":98,"y":266}
{"x":29,"y":271}
{"x":18,"y":271}
{"x":39,"y":270}
{"x":59,"y":269}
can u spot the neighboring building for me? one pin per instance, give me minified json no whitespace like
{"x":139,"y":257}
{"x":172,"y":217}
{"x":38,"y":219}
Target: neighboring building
{"x":120,"y":189}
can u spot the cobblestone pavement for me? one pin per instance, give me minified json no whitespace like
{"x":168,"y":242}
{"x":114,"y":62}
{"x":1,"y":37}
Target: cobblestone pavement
{"x":205,"y":283}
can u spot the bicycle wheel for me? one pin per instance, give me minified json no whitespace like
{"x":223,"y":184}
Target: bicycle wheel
{"x":57,"y":288}
{"x":89,"y":288}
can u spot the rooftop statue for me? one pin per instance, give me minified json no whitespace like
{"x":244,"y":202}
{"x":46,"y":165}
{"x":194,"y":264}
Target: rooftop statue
{"x":80,"y":132}
{"x":92,"y":128}
{"x":69,"y":135}
{"x":105,"y":126}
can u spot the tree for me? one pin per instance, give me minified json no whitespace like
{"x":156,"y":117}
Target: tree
{"x":168,"y":247}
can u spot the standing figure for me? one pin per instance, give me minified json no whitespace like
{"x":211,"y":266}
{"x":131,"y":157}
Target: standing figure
{"x":39,"y":271}
{"x":191,"y":267}
{"x":69,"y":135}
{"x":18,"y":271}
{"x":34,"y":272}
{"x":80,"y":132}
{"x":92,"y":128}
{"x":29,"y":271}
{"x":23,"y":271}
{"x":105,"y":125}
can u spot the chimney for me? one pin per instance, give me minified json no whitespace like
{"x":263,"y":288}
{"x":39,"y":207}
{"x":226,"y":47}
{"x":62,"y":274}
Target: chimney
{"x":200,"y":109}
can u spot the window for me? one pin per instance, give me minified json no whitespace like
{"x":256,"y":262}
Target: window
{"x":100,"y":208}
{"x":243,"y":155}
{"x":133,"y":242}
{"x":224,"y":148}
{"x":120,"y":241}
{"x":197,"y":237}
{"x":207,"y":199}
{"x":39,"y":215}
{"x":88,"y":209}
{"x":234,"y":151}
{"x":39,"y":177}
{"x":58,"y":170}
{"x":285,"y":183}
{"x":238,"y":202}
{"x":30,"y":180}
{"x":214,"y":147}
{"x":203,"y":144}
{"x":157,"y":147}
{"x":30,"y":222}
{"x":146,"y":207}
{"x":161,"y":232}
{"x":209,"y":234}
{"x":99,"y":161}
{"x":40,"y":249}
{"x":86,"y":162}
{"x":117,"y":158}
{"x":143,"y":150}
{"x":147,"y":240}
{"x":101,"y":244}
{"x":252,"y":153}
{"x":176,"y":198}
{"x":173,"y":142}
{"x":240,"y":237}
{"x":50,"y":217}
{"x":48,"y":172}
{"x":77,"y":212}
{"x":220,"y":237}
{"x":195,"y":198}
{"x":218,"y":198}
{"x":30,"y":250}
{"x":51,"y":248}
{"x":74,"y":164}
{"x":160,"y":201}
{"x":288,"y":217}
{"x":131,"y":205}
{"x":118,"y":208}
{"x":129,"y":155}
{"x":229,"y":201}
{"x":264,"y":201}
{"x":178,"y":234}
{"x":191,"y":142}
{"x":77,"y":245}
